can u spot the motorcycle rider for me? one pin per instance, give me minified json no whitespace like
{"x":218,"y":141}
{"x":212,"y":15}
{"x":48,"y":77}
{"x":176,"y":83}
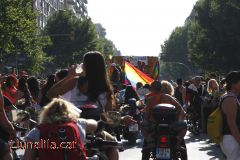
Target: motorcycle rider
{"x":156,"y":97}
{"x":59,"y":112}
{"x":99,"y":90}
{"x":5,"y":126}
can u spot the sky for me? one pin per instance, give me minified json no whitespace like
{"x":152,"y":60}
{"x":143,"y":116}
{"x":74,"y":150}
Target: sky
{"x":139,"y":27}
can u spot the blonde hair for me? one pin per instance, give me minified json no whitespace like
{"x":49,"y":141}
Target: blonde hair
{"x":167,"y":88}
{"x":212,"y":86}
{"x":58,"y":111}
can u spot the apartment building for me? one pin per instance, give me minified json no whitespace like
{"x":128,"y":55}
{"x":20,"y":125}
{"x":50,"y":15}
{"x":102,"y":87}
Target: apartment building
{"x":46,"y":8}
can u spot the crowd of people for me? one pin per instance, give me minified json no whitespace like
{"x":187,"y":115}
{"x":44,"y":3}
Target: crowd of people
{"x":62,"y":98}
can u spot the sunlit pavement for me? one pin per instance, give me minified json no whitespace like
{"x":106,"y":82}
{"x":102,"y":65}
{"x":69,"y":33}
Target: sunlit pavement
{"x":198,"y":147}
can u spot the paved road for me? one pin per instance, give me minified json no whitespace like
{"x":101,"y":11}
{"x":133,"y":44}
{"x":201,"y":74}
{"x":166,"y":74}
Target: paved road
{"x":198,"y":149}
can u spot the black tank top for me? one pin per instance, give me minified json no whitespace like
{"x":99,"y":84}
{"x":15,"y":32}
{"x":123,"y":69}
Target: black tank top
{"x":226,"y":129}
{"x":178,"y":95}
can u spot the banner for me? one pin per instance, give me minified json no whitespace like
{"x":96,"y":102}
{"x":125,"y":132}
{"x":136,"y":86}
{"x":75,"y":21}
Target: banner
{"x":134,"y":75}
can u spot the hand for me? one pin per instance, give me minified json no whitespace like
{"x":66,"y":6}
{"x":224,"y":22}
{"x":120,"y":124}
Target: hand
{"x":128,"y":120}
{"x":72,"y":71}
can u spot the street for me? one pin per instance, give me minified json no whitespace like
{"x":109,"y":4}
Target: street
{"x":198,"y":149}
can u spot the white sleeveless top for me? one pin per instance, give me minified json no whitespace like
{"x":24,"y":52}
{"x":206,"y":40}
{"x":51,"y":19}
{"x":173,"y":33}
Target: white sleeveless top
{"x":79,"y":100}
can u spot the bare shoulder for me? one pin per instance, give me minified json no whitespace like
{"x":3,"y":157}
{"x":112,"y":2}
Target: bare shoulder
{"x":167,"y":96}
{"x":228,"y":104}
{"x":229,"y":100}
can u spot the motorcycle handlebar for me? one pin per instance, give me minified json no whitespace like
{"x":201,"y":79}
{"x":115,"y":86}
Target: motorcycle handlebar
{"x":19,"y":128}
{"x":104,"y":143}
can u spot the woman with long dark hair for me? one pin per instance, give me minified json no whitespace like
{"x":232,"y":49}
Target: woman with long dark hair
{"x":98,"y":82}
{"x":99,"y":88}
{"x":99,"y":96}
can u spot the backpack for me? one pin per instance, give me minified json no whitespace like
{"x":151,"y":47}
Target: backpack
{"x":61,"y":142}
{"x":215,"y":124}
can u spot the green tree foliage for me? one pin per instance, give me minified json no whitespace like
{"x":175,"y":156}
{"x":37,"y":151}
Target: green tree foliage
{"x":71,"y":38}
{"x":214,"y":36}
{"x":18,"y":30}
{"x":175,"y":48}
{"x":106,"y":47}
{"x":172,"y":71}
{"x":209,"y":39}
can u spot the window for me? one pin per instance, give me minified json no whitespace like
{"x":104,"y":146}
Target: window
{"x":51,"y":2}
{"x":55,"y":3}
{"x":46,"y":8}
{"x":39,"y":4}
{"x":61,"y":6}
{"x":41,"y":21}
{"x":44,"y":21}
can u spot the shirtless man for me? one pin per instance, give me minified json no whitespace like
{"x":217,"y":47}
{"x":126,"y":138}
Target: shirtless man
{"x":156,"y":97}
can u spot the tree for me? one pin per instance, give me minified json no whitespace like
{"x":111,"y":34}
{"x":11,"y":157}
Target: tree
{"x":175,"y":48}
{"x":209,"y":39}
{"x":71,"y":38}
{"x":18,"y":30}
{"x":175,"y":51}
{"x":214,"y":36}
{"x":105,"y":45}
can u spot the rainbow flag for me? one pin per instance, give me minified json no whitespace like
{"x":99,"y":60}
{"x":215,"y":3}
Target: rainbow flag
{"x":134,"y":75}
{"x":156,"y":71}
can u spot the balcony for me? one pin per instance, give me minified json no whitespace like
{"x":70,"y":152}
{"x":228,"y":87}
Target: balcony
{"x":72,"y":2}
{"x":78,"y":10}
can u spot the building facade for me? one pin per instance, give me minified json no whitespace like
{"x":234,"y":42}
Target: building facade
{"x":45,"y":8}
{"x":100,"y":30}
{"x":79,"y":7}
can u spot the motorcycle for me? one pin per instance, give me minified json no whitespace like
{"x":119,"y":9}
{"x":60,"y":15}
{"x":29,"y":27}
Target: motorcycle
{"x":7,"y":138}
{"x":163,"y":144}
{"x":96,"y":147}
{"x":193,"y":122}
{"x":131,"y":132}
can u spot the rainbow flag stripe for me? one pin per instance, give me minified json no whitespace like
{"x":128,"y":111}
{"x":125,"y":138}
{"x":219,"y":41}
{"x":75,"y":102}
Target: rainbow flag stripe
{"x":156,"y":71}
{"x":134,"y":75}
